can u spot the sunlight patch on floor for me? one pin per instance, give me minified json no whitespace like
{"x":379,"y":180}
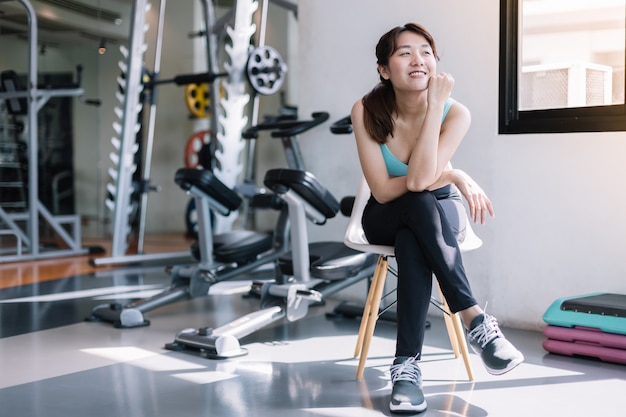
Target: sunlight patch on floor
{"x":121,"y":354}
{"x":342,"y":412}
{"x":205,"y":377}
{"x":73,"y":295}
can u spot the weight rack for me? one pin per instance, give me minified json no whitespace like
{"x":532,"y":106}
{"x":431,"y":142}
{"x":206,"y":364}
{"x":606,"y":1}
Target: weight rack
{"x":67,"y":227}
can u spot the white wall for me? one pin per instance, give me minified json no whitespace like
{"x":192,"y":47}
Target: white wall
{"x":559,"y":223}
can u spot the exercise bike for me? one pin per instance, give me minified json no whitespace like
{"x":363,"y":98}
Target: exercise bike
{"x":224,"y":256}
{"x":309,"y":273}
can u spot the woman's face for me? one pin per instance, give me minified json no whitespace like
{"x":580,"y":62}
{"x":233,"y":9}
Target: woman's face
{"x":411,"y":64}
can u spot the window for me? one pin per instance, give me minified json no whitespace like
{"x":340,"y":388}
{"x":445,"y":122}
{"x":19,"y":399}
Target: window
{"x":562,"y":66}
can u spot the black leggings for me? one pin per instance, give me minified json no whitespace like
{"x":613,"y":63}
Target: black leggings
{"x":425,"y":228}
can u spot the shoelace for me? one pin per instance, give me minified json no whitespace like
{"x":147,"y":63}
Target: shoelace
{"x":486,"y":331}
{"x":406,"y":371}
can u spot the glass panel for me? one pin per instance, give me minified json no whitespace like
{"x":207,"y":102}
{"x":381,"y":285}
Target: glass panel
{"x":572,"y":53}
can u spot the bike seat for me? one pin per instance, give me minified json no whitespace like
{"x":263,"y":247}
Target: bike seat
{"x":240,"y":246}
{"x":207,"y":183}
{"x":331,"y":261}
{"x":303,"y":183}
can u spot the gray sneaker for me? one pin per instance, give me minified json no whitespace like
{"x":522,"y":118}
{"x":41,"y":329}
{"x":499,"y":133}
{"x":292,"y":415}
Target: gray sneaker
{"x":498,"y":354}
{"x":407,"y":395}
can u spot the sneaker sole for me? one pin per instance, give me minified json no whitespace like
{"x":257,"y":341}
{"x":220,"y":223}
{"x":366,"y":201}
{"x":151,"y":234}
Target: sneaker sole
{"x":407,"y":407}
{"x":511,"y":366}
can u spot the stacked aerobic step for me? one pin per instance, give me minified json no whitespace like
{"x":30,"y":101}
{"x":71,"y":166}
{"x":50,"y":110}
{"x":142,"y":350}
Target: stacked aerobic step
{"x":592,"y":325}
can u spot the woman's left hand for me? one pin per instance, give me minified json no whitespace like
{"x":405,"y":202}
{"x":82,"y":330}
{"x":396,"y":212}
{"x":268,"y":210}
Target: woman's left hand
{"x":477,"y":200}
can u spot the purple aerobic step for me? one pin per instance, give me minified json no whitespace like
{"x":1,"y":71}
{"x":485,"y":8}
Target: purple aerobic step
{"x":577,"y":341}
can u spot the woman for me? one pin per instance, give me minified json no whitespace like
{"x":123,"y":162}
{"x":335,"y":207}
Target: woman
{"x":407,"y":129}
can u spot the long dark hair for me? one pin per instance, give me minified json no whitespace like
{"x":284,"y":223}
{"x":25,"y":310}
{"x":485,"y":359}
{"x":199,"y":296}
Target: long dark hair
{"x":380,"y":102}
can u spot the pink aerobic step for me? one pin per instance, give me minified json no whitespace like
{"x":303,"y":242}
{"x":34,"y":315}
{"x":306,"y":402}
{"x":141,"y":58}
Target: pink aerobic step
{"x":583,"y":341}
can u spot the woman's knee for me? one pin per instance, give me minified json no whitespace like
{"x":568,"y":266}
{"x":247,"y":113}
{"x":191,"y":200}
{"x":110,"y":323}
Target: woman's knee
{"x":420,"y":198}
{"x":417,"y":206}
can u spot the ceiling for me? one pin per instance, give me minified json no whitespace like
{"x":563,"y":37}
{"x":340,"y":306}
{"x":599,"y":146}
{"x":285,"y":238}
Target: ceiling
{"x":63,"y":22}
{"x":68,"y":21}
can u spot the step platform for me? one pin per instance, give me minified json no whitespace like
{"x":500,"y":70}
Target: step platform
{"x":592,"y":325}
{"x":580,"y":341}
{"x":604,"y":311}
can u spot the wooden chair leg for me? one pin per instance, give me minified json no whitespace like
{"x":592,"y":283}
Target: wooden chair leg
{"x":457,"y":336}
{"x":372,"y":317}
{"x":367,"y":307}
{"x":449,"y":324}
{"x":462,"y":344}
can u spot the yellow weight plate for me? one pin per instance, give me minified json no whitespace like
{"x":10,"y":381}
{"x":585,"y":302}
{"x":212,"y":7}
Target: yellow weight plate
{"x":197,"y":99}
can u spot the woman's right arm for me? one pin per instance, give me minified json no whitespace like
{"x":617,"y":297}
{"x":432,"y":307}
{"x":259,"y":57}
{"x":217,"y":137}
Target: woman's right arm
{"x":384,"y":188}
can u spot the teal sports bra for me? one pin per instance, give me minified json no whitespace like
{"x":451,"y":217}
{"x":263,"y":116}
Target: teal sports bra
{"x":397,"y":168}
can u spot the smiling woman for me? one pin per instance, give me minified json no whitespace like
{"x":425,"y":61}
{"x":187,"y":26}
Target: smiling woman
{"x":407,"y":129}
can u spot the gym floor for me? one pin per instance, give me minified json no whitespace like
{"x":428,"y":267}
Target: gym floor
{"x":53,"y":363}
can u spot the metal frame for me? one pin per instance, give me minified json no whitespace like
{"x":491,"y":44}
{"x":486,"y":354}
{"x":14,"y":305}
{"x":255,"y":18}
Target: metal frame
{"x":30,"y":238}
{"x":123,"y":176}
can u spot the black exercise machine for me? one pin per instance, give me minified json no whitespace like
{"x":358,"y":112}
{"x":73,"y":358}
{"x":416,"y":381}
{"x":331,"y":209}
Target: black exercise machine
{"x":224,"y":256}
{"x":308,"y":274}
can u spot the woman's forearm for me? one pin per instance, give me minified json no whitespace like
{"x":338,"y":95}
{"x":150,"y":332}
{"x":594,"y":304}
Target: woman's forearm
{"x":423,"y":163}
{"x":448,"y":176}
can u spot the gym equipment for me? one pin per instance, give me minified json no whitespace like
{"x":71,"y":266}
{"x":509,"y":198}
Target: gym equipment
{"x":594,"y":343}
{"x":197,"y":99}
{"x":134,"y":80}
{"x":25,"y":225}
{"x":125,"y":142}
{"x":592,"y":325}
{"x":230,"y":124}
{"x":152,"y":79}
{"x":342,"y":126}
{"x":226,"y":255}
{"x":236,"y":99}
{"x":196,"y":153}
{"x":191,"y":219}
{"x":266,"y":70}
{"x":602,"y":311}
{"x":308,"y":274}
{"x":285,"y":127}
{"x":222,"y":256}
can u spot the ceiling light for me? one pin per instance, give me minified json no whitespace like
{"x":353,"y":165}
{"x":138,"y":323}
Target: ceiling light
{"x":102,"y":48}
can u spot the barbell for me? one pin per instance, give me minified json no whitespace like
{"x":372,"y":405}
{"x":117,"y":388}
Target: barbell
{"x":265,"y":71}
